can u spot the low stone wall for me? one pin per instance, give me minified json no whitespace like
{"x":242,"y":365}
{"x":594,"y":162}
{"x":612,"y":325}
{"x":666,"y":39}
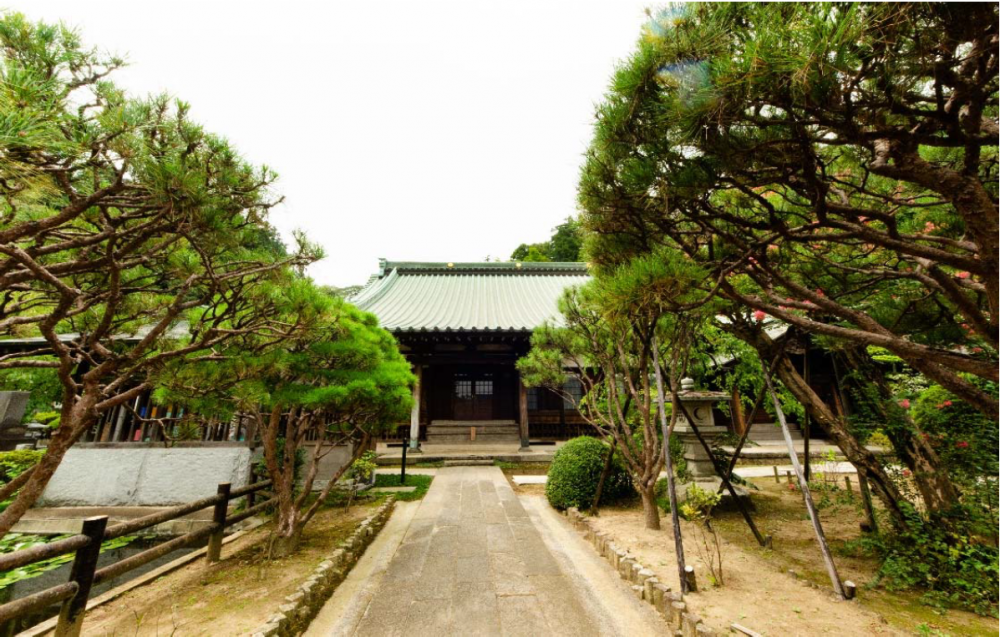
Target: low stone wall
{"x":644,"y":583}
{"x":138,"y":474}
{"x":299,"y":609}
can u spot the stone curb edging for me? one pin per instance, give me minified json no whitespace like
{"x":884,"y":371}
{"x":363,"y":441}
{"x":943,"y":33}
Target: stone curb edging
{"x":643,"y":581}
{"x":299,"y":608}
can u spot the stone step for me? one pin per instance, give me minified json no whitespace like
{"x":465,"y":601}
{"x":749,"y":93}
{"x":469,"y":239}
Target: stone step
{"x":468,"y":463}
{"x":774,"y":435}
{"x":454,"y":439}
{"x":479,"y":428}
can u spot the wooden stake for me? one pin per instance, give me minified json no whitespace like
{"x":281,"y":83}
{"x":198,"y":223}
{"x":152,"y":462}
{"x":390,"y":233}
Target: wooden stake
{"x":847,"y":481}
{"x":850,"y":589}
{"x":777,"y":478}
{"x":689,"y":579}
{"x":831,"y":568}
{"x":671,"y":487}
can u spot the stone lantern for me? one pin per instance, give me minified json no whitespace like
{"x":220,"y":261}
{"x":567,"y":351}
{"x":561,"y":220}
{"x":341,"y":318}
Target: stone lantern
{"x":699,"y":404}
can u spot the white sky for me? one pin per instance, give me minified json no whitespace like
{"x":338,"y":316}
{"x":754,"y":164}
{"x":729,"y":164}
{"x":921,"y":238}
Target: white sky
{"x":413,"y":130}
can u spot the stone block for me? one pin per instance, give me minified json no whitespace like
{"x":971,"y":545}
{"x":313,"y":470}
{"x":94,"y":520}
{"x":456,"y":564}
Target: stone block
{"x":634,"y":575}
{"x":702,"y":630}
{"x":267,"y":630}
{"x":649,"y":591}
{"x":637,"y":590}
{"x":279,"y":619}
{"x":661,"y":597}
{"x":689,"y":625}
{"x":677,"y":610}
{"x":625,"y":567}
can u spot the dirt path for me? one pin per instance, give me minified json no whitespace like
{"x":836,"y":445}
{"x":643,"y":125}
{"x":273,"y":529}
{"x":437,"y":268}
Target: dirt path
{"x":755,"y":595}
{"x":473,"y":560}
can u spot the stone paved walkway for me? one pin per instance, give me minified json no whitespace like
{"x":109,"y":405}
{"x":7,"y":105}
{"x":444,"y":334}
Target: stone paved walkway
{"x":471,"y":561}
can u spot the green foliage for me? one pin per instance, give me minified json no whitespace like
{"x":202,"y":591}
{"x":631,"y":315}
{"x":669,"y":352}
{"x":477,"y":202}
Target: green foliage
{"x":964,"y":438}
{"x":18,"y":541}
{"x":698,"y":503}
{"x":723,"y":113}
{"x":260,"y":467}
{"x":42,"y":383}
{"x":14,"y":463}
{"x":362,"y":469}
{"x":576,"y":470}
{"x":662,"y":492}
{"x":678,"y":460}
{"x":947,"y":558}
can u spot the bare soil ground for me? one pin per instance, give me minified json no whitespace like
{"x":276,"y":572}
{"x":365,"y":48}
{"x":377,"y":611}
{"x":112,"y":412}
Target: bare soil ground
{"x":759,"y":590}
{"x":231,"y":597}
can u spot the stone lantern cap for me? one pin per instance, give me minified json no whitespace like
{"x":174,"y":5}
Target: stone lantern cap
{"x":689,"y":394}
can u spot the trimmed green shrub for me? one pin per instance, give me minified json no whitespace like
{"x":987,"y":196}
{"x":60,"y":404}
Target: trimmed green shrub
{"x":576,"y":470}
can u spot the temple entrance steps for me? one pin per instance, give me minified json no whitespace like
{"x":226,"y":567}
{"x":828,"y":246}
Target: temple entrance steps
{"x":769,"y":433}
{"x":472,"y":431}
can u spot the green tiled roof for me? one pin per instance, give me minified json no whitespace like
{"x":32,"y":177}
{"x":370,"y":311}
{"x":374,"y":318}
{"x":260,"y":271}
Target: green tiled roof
{"x":411,"y":296}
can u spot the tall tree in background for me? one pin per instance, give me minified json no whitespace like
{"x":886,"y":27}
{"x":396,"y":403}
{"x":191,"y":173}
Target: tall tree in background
{"x":565,"y":245}
{"x":611,"y":327}
{"x":319,"y":371}
{"x":833,"y":166}
{"x":118,"y":217}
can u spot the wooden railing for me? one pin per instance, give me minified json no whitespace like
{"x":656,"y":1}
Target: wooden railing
{"x":84,"y":573}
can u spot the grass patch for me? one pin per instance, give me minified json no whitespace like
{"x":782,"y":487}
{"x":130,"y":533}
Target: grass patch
{"x":421,"y":482}
{"x":437,"y":464}
{"x":522,"y":468}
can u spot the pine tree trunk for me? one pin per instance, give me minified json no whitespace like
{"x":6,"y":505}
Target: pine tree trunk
{"x":286,"y":540}
{"x":650,"y":511}
{"x":73,"y":419}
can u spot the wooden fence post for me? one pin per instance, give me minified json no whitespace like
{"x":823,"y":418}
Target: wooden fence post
{"x":219,"y":520}
{"x":82,"y":572}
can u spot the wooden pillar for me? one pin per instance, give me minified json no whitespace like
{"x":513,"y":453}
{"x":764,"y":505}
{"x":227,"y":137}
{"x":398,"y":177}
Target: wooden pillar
{"x":415,"y":411}
{"x":522,"y":405}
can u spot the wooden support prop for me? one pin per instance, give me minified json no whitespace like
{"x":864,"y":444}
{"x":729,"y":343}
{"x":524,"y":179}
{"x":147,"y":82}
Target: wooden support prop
{"x":214,"y":551}
{"x":668,"y":463}
{"x":866,"y":499}
{"x":82,"y":574}
{"x":763,"y":541}
{"x":777,"y":477}
{"x":831,"y":568}
{"x":744,"y":630}
{"x":847,"y":483}
{"x":788,"y":474}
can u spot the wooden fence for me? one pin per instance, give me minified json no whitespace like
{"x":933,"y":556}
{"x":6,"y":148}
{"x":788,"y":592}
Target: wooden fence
{"x":84,"y":573}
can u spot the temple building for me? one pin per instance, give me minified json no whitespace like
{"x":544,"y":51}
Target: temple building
{"x":463,"y":326}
